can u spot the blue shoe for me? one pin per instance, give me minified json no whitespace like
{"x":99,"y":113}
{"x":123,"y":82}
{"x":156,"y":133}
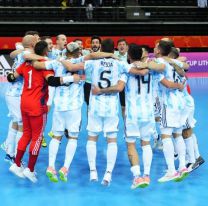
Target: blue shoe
{"x":9,"y":159}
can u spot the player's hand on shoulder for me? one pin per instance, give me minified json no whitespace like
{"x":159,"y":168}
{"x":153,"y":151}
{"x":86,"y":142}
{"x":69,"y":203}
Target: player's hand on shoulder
{"x":115,"y":57}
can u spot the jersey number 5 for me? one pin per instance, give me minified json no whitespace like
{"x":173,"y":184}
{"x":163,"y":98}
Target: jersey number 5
{"x":103,"y":78}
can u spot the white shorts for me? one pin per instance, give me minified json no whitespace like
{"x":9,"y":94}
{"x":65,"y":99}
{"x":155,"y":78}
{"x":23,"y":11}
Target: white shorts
{"x":97,"y":124}
{"x":70,"y":120}
{"x":169,"y":131}
{"x":170,"y":118}
{"x":143,"y":130}
{"x":13,"y":104}
{"x":190,"y":121}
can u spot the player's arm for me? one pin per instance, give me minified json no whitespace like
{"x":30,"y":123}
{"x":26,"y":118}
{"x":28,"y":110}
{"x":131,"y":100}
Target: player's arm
{"x":11,"y":77}
{"x":32,"y":57}
{"x":151,"y":65}
{"x":72,"y":67}
{"x":59,"y":81}
{"x":16,"y":52}
{"x":113,"y":89}
{"x":138,"y":71}
{"x":172,"y":85}
{"x":99,"y":55}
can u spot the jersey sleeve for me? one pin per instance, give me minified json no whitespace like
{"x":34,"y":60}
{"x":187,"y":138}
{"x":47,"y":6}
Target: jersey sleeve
{"x":50,"y":65}
{"x":123,"y":77}
{"x":46,"y":73}
{"x":19,"y":69}
{"x":88,"y":66}
{"x":125,"y":67}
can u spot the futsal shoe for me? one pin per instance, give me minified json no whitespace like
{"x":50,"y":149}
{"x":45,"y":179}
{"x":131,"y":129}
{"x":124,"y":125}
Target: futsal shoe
{"x":137,"y":182}
{"x":50,"y":134}
{"x":18,"y":171}
{"x":93,"y":176}
{"x":199,"y":162}
{"x":183,"y":173}
{"x":189,"y":166}
{"x":63,"y":174}
{"x":30,"y":175}
{"x":4,"y":146}
{"x":169,"y":176}
{"x":146,"y":181}
{"x":9,"y":159}
{"x":51,"y":174}
{"x":44,"y":144}
{"x":107,"y":179}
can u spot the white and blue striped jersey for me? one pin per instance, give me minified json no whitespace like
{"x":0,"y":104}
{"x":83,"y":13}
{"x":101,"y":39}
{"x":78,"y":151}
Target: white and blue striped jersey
{"x":15,"y":89}
{"x":56,"y":53}
{"x":172,"y":98}
{"x":139,"y":98}
{"x":67,"y":97}
{"x":105,"y":73}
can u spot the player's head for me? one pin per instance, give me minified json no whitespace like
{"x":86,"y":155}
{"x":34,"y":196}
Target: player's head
{"x":95,"y":43}
{"x":41,"y":48}
{"x":162,"y":48}
{"x":145,"y":51}
{"x":33,"y":33}
{"x":174,"y":53}
{"x":80,"y":43}
{"x":72,"y":50}
{"x":107,"y":45}
{"x":122,"y":46}
{"x":168,"y":40}
{"x":29,"y":41}
{"x":49,"y":41}
{"x":61,"y":41}
{"x":134,"y":52}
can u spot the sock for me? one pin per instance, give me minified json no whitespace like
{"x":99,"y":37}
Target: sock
{"x":190,"y":149}
{"x":158,"y":128}
{"x":53,"y":150}
{"x":147,"y":158}
{"x":135,"y":170}
{"x":196,"y":148}
{"x":181,"y":149}
{"x":32,"y":161}
{"x":18,"y":158}
{"x":18,"y":136}
{"x":168,"y":151}
{"x":70,"y":151}
{"x":91,"y":154}
{"x":112,"y":150}
{"x":10,"y":140}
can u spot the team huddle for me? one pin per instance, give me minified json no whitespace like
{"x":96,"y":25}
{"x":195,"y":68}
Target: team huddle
{"x":152,"y":92}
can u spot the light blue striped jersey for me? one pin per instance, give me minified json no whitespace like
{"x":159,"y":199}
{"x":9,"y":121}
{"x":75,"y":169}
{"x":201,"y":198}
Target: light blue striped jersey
{"x":66,"y":97}
{"x":56,"y":53}
{"x":139,"y":98}
{"x":105,"y":73}
{"x":172,"y":98}
{"x":15,"y":89}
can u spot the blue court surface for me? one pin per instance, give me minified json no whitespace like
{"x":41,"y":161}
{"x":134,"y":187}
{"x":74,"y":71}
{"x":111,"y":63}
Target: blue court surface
{"x":79,"y":191}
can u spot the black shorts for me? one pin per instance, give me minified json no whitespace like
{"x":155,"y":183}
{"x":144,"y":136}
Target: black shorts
{"x":87,"y":89}
{"x":122,"y":98}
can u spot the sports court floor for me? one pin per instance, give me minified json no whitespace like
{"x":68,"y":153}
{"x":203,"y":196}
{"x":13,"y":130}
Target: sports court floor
{"x":79,"y":191}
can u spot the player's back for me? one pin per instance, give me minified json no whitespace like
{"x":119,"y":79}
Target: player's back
{"x":105,"y":73}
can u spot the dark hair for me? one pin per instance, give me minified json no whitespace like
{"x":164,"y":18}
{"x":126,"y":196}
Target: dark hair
{"x":96,"y":37}
{"x":164,"y":47}
{"x":40,"y":48}
{"x":107,"y":45}
{"x":174,"y":53}
{"x":43,"y":38}
{"x":145,"y":47}
{"x":135,"y":52}
{"x":121,"y":40}
{"x":31,"y":33}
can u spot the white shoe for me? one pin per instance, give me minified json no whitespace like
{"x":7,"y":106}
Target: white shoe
{"x":30,"y":175}
{"x":169,"y":176}
{"x":93,"y":176}
{"x":4,"y":146}
{"x":18,"y":171}
{"x":106,"y":179}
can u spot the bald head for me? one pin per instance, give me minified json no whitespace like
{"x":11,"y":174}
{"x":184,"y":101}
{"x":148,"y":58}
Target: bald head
{"x":29,"y":41}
